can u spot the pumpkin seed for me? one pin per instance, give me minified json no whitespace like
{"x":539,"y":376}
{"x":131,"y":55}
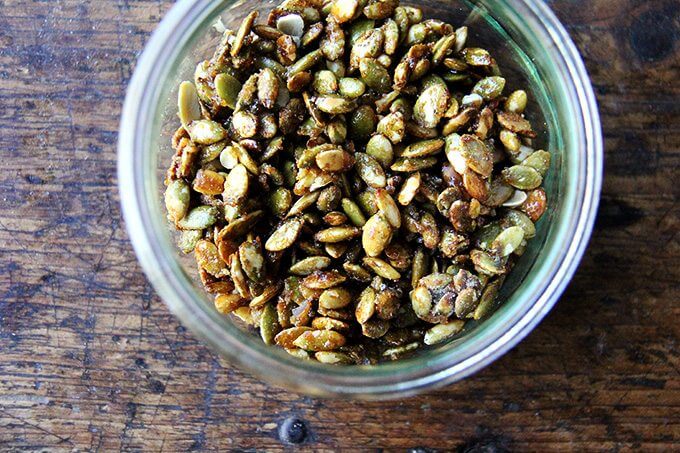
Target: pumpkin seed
{"x":199,"y":218}
{"x":370,"y":171}
{"x":415,"y":164}
{"x":423,"y":148}
{"x":335,"y":298}
{"x":187,"y":103}
{"x":442,"y":332}
{"x":269,"y":324}
{"x":382,"y":268}
{"x":388,"y":207}
{"x":333,"y":357}
{"x":320,"y":340}
{"x":243,"y":31}
{"x":284,"y":236}
{"x":522,"y":177}
{"x":362,"y":123}
{"x":177,"y":197}
{"x":393,"y":126}
{"x":516,"y":102}
{"x":208,"y":258}
{"x":337,"y":234}
{"x":374,"y":75}
{"x":376,"y":235}
{"x":539,"y":160}
{"x":227,"y":303}
{"x":335,"y":104}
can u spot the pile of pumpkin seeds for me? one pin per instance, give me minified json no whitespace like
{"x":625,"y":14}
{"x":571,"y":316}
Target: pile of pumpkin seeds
{"x":352,"y":178}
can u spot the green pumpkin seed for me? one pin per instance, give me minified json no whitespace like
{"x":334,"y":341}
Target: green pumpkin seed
{"x":393,"y":126}
{"x":177,"y":198}
{"x":334,"y":160}
{"x":375,"y":75}
{"x":489,"y":87}
{"x":351,"y":88}
{"x":515,"y":123}
{"x":320,"y":340}
{"x":423,"y":148}
{"x":227,"y":88}
{"x":522,"y":177}
{"x":487,"y":263}
{"x":477,"y":57}
{"x":508,"y":240}
{"x":280,"y":201}
{"x":269,"y":324}
{"x":188,"y":239}
{"x":334,"y":298}
{"x":362,"y":123}
{"x":303,"y":203}
{"x":325,"y":82}
{"x":380,"y":148}
{"x":368,"y":45}
{"x":409,"y":189}
{"x":353,"y":212}
{"x":198,"y":218}
{"x":520,"y":219}
{"x":304,"y":64}
{"x":337,"y":234}
{"x":370,"y":171}
{"x":539,"y":160}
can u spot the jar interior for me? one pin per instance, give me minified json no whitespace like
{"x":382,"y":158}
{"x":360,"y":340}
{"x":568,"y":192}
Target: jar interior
{"x":525,"y":64}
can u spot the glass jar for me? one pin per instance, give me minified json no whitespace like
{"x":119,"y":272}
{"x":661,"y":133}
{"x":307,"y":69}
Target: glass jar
{"x":533,"y":51}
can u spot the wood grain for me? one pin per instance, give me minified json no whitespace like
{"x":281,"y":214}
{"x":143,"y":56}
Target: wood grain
{"x":92,"y":360}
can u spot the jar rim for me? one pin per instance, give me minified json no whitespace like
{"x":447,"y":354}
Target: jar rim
{"x":385,"y":380}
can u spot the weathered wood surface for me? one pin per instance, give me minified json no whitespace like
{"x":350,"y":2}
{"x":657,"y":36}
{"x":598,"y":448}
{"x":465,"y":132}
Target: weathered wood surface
{"x":90,"y":358}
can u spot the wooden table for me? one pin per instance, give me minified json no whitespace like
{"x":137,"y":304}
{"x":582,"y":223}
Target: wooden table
{"x":91,"y":359}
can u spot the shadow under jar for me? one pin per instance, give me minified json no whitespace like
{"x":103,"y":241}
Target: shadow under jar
{"x":533,"y":51}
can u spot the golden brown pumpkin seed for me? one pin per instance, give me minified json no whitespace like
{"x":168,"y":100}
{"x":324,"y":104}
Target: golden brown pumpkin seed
{"x":334,"y":160}
{"x":337,"y":234}
{"x":388,"y":207}
{"x":377,"y":233}
{"x":227,"y":303}
{"x":382,"y":268}
{"x":243,"y":31}
{"x":320,"y":340}
{"x":335,"y":298}
{"x":324,"y":279}
{"x":209,"y":259}
{"x":284,"y":236}
{"x":268,"y":294}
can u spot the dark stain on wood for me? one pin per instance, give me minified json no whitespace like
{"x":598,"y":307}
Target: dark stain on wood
{"x":92,"y":360}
